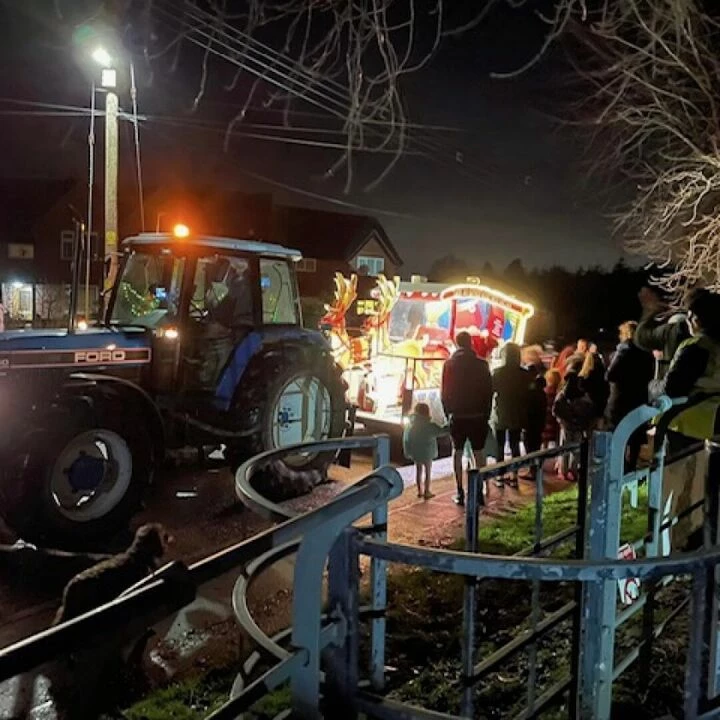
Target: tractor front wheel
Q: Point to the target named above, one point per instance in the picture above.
(84, 483)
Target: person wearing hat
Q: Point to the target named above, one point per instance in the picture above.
(659, 331)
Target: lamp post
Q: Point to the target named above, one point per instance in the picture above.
(109, 84)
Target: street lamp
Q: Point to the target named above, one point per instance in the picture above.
(102, 57)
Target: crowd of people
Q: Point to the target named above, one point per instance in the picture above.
(528, 404)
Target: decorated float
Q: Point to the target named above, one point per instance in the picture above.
(392, 344)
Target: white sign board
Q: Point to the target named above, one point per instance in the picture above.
(629, 589)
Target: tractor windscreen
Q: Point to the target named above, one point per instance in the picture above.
(149, 290)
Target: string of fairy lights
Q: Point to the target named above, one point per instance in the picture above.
(139, 304)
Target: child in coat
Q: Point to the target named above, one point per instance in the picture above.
(420, 446)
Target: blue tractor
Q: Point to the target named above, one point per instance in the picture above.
(202, 345)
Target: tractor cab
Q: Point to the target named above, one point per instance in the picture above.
(201, 297)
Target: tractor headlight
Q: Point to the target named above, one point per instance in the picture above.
(169, 333)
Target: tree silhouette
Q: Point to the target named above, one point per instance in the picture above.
(515, 272)
(449, 269)
(488, 271)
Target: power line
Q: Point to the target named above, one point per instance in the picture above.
(269, 138)
(138, 163)
(271, 55)
(257, 65)
(319, 196)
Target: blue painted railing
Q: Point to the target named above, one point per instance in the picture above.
(320, 656)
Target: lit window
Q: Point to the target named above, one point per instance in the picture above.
(372, 266)
(307, 265)
(67, 244)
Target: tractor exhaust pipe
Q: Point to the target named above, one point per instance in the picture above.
(79, 229)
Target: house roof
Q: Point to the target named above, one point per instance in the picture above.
(332, 236)
(206, 209)
(24, 201)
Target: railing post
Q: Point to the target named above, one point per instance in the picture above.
(470, 595)
(308, 594)
(600, 597)
(535, 598)
(696, 667)
(342, 659)
(580, 545)
(378, 578)
(711, 537)
(652, 548)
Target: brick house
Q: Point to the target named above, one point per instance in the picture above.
(37, 236)
(334, 242)
(203, 209)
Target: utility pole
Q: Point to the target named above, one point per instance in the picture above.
(111, 180)
(109, 84)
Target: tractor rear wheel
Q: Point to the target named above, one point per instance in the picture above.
(83, 483)
(292, 400)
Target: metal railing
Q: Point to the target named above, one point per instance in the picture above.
(473, 673)
(174, 586)
(320, 654)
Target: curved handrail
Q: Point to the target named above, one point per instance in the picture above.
(240, 604)
(254, 500)
(542, 569)
(275, 554)
(636, 419)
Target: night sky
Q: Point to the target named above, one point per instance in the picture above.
(509, 182)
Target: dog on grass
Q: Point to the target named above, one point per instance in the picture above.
(108, 579)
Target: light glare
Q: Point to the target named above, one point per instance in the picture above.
(102, 57)
(181, 231)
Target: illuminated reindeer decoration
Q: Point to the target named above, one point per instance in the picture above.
(376, 326)
(340, 342)
(349, 351)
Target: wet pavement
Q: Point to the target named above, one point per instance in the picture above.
(199, 507)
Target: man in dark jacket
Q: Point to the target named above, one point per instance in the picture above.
(631, 371)
(657, 331)
(466, 397)
(537, 410)
(513, 387)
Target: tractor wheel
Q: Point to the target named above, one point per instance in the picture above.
(296, 399)
(83, 483)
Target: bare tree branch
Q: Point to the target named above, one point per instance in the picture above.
(653, 70)
(347, 58)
